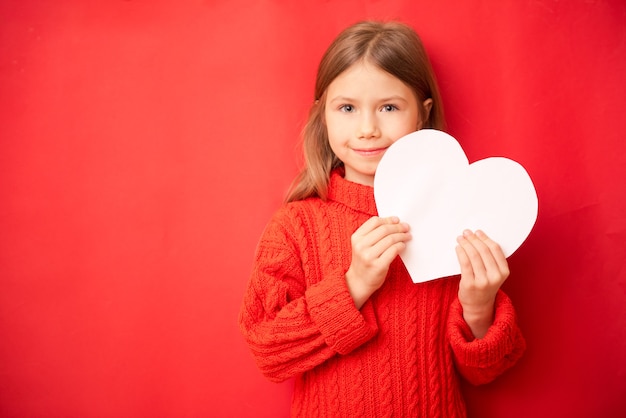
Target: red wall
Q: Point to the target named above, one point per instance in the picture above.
(144, 145)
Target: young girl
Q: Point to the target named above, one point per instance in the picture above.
(329, 301)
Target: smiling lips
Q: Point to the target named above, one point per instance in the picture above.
(371, 152)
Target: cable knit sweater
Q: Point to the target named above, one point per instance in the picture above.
(400, 355)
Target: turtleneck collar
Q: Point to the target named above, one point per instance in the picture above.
(356, 196)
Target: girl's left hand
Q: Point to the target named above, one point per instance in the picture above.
(483, 270)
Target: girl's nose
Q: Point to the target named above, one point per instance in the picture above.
(368, 128)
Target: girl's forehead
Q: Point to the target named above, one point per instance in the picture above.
(364, 76)
(364, 64)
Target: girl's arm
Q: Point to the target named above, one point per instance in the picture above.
(290, 326)
(483, 329)
(375, 244)
(481, 360)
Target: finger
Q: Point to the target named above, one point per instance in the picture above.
(393, 240)
(376, 237)
(464, 262)
(484, 250)
(474, 255)
(391, 252)
(494, 273)
(374, 222)
(496, 252)
(377, 230)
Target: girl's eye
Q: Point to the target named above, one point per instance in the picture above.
(388, 108)
(347, 108)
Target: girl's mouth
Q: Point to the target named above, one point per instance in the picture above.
(370, 152)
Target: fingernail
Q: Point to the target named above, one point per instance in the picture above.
(467, 233)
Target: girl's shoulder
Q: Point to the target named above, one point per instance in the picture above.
(299, 210)
(294, 221)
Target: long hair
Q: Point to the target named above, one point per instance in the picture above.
(393, 47)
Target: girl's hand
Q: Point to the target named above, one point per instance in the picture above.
(374, 246)
(483, 270)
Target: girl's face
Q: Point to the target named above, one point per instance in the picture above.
(367, 110)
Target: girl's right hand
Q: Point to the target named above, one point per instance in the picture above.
(374, 246)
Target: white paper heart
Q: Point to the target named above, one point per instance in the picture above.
(425, 179)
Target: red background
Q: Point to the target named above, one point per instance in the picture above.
(145, 144)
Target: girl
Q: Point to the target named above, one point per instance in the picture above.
(329, 301)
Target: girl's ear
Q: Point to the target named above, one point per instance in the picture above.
(427, 105)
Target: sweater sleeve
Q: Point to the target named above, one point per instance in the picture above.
(291, 327)
(481, 360)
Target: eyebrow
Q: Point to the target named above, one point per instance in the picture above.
(351, 100)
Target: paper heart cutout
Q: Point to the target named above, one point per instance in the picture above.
(426, 180)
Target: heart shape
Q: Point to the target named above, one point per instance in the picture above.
(426, 180)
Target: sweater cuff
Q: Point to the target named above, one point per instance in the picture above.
(499, 341)
(342, 325)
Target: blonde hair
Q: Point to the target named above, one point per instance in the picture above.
(392, 46)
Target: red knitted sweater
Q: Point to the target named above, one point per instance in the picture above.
(400, 355)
